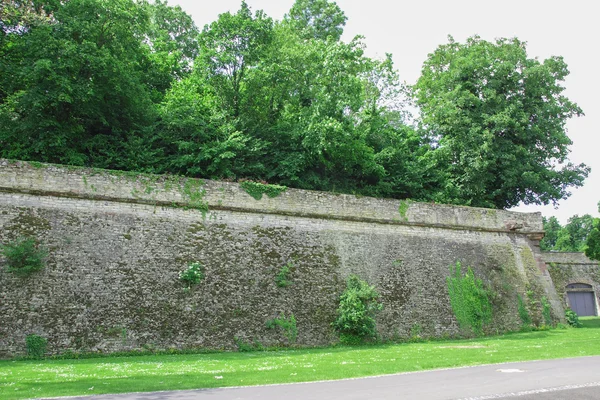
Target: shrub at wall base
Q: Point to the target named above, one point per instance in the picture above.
(359, 304)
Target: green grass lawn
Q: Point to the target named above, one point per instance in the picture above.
(50, 378)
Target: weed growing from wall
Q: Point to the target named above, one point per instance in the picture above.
(257, 189)
(403, 208)
(36, 346)
(282, 279)
(244, 346)
(288, 325)
(194, 194)
(193, 274)
(546, 313)
(24, 256)
(359, 304)
(523, 312)
(469, 299)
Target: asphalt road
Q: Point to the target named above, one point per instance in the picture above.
(570, 379)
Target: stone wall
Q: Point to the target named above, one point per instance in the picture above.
(569, 268)
(117, 242)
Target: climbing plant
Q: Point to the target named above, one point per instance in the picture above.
(523, 312)
(469, 298)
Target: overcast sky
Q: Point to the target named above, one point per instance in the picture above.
(412, 29)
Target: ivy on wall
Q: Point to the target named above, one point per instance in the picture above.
(469, 298)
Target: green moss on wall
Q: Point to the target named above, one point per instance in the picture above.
(403, 207)
(257, 189)
(27, 224)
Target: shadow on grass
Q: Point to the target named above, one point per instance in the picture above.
(144, 388)
(590, 322)
(524, 336)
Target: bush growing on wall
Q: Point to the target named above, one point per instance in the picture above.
(282, 279)
(24, 256)
(469, 299)
(193, 274)
(36, 345)
(359, 304)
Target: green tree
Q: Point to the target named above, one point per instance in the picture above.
(353, 142)
(229, 48)
(77, 94)
(317, 19)
(592, 249)
(552, 228)
(198, 136)
(572, 237)
(497, 119)
(172, 39)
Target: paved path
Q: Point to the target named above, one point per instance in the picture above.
(569, 379)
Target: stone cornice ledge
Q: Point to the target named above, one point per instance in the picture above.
(173, 191)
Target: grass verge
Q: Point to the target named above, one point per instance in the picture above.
(52, 378)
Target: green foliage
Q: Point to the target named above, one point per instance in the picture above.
(546, 311)
(132, 85)
(24, 256)
(317, 19)
(193, 192)
(415, 333)
(287, 324)
(36, 345)
(244, 347)
(282, 279)
(592, 244)
(193, 274)
(469, 299)
(551, 228)
(498, 119)
(403, 208)
(572, 318)
(573, 237)
(523, 312)
(77, 93)
(257, 189)
(359, 304)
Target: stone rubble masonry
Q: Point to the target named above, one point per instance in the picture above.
(117, 242)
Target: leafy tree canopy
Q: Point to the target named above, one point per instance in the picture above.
(592, 249)
(317, 19)
(497, 119)
(572, 237)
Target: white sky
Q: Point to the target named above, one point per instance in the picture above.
(412, 29)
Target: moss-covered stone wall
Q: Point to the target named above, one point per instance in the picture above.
(118, 241)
